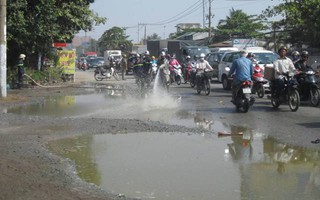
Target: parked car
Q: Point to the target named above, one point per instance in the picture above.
(263, 57)
(96, 62)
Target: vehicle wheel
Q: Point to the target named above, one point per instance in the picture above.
(198, 88)
(226, 84)
(178, 79)
(275, 102)
(314, 96)
(192, 83)
(207, 87)
(294, 100)
(260, 91)
(116, 76)
(98, 77)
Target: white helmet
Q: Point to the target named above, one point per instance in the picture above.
(147, 53)
(22, 56)
(202, 55)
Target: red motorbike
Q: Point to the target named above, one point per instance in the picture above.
(259, 82)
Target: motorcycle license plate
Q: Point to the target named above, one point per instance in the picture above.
(246, 90)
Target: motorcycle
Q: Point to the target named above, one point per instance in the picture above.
(259, 82)
(243, 99)
(176, 74)
(288, 94)
(105, 73)
(193, 72)
(154, 71)
(203, 82)
(308, 87)
(83, 66)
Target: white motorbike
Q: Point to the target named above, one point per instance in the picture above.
(176, 75)
(101, 73)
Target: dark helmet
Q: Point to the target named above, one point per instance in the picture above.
(251, 55)
(195, 57)
(168, 56)
(304, 54)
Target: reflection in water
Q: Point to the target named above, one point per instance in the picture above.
(182, 166)
(201, 122)
(78, 149)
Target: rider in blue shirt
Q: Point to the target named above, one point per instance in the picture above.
(243, 69)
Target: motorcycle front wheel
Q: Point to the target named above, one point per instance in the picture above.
(178, 79)
(98, 76)
(116, 76)
(207, 86)
(314, 96)
(275, 102)
(294, 100)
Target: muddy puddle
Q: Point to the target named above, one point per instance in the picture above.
(195, 166)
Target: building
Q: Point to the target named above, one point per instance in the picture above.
(182, 26)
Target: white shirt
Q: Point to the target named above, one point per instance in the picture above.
(202, 65)
(283, 65)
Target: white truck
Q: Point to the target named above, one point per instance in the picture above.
(116, 54)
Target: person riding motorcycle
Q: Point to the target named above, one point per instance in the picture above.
(243, 69)
(295, 56)
(202, 67)
(161, 59)
(301, 65)
(282, 65)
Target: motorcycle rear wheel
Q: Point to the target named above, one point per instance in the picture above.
(98, 77)
(275, 102)
(314, 96)
(260, 91)
(294, 100)
(244, 106)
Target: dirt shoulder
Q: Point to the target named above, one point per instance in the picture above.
(28, 170)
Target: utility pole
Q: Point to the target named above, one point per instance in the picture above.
(3, 48)
(210, 17)
(204, 15)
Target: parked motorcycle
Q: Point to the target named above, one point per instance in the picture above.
(176, 75)
(308, 87)
(288, 94)
(101, 73)
(259, 82)
(203, 82)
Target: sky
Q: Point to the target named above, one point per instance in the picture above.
(166, 14)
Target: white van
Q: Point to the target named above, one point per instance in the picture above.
(264, 59)
(116, 54)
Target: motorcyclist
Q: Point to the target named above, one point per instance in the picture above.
(161, 59)
(282, 66)
(185, 68)
(251, 56)
(242, 67)
(138, 67)
(202, 66)
(301, 64)
(295, 56)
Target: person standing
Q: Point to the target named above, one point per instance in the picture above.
(243, 69)
(124, 65)
(20, 72)
(282, 66)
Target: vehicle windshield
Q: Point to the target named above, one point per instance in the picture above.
(265, 58)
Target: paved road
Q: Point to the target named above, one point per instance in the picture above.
(299, 127)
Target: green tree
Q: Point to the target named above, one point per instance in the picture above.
(154, 36)
(239, 24)
(301, 21)
(33, 25)
(114, 38)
